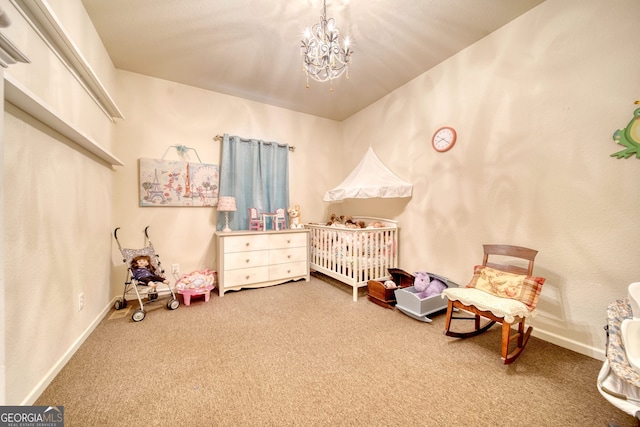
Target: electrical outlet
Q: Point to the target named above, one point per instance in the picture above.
(80, 301)
(175, 268)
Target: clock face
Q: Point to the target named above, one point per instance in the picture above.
(443, 139)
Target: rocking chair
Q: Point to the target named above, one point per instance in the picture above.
(499, 292)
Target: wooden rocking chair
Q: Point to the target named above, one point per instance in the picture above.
(494, 306)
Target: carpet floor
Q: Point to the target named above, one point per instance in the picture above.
(305, 354)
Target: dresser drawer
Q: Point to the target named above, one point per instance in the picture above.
(236, 260)
(281, 256)
(287, 240)
(284, 271)
(246, 243)
(245, 276)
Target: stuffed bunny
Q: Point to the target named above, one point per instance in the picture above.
(427, 287)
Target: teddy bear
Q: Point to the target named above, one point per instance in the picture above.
(425, 286)
(331, 221)
(350, 223)
(294, 217)
(336, 221)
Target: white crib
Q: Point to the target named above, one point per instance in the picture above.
(354, 255)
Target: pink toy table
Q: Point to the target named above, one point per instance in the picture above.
(188, 293)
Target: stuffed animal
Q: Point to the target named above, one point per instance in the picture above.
(336, 221)
(427, 287)
(294, 217)
(376, 224)
(350, 223)
(332, 220)
(390, 284)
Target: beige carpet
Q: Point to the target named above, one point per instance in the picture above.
(305, 354)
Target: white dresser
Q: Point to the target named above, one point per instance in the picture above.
(253, 259)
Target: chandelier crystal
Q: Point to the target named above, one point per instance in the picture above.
(326, 55)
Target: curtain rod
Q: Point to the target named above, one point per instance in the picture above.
(219, 138)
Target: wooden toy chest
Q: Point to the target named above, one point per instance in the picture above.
(384, 297)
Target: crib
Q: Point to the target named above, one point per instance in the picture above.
(354, 256)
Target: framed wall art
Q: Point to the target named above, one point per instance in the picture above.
(178, 183)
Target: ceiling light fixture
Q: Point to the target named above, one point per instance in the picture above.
(326, 55)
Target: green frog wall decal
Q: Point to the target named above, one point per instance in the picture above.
(629, 137)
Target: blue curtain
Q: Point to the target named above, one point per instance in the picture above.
(256, 173)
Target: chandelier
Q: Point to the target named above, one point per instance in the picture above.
(326, 55)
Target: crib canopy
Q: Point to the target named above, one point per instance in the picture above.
(370, 178)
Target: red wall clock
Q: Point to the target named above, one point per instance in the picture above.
(444, 139)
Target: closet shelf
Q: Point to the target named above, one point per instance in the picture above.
(18, 95)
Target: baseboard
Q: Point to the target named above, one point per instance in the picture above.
(57, 367)
(596, 353)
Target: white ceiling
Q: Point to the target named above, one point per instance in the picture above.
(251, 48)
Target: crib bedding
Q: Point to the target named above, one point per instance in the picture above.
(355, 255)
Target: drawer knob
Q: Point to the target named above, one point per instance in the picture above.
(247, 244)
(289, 256)
(247, 260)
(288, 241)
(247, 277)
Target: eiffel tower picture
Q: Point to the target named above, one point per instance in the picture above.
(155, 192)
(177, 183)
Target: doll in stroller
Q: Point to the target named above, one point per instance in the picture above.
(143, 271)
(145, 278)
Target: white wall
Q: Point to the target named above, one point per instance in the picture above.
(161, 114)
(535, 105)
(57, 209)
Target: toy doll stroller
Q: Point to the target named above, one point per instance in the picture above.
(136, 289)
